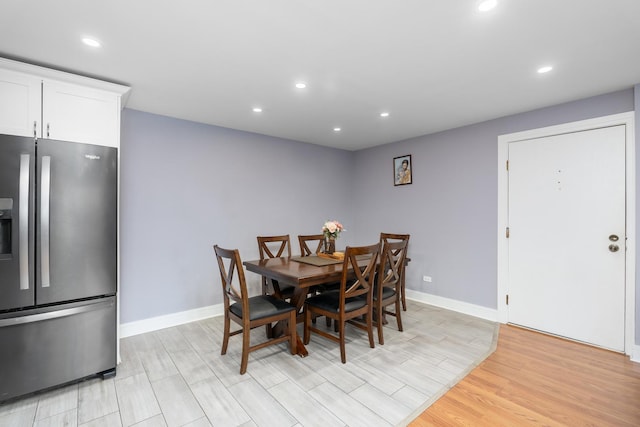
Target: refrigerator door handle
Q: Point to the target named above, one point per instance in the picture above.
(23, 220)
(45, 192)
(56, 314)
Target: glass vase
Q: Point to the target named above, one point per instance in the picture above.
(329, 245)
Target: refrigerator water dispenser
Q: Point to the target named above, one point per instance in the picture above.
(6, 206)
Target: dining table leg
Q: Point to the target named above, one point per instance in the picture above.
(297, 300)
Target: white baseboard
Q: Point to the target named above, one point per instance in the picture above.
(174, 319)
(454, 305)
(169, 320)
(635, 354)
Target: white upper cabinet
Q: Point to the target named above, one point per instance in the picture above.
(20, 104)
(37, 101)
(75, 113)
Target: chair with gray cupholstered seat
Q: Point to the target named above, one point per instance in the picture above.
(306, 250)
(387, 288)
(275, 247)
(353, 299)
(384, 237)
(250, 312)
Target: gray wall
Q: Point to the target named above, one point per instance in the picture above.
(450, 210)
(186, 186)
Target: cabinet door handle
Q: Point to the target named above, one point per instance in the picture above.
(47, 130)
(35, 127)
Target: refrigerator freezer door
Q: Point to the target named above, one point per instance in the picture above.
(46, 347)
(77, 221)
(17, 166)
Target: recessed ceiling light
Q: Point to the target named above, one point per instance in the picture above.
(545, 69)
(257, 110)
(91, 42)
(385, 114)
(487, 5)
(337, 129)
(301, 85)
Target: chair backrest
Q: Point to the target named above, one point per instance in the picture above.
(391, 265)
(234, 285)
(364, 278)
(384, 237)
(391, 237)
(304, 240)
(274, 246)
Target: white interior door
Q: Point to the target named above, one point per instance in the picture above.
(566, 207)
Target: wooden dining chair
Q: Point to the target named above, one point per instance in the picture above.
(250, 312)
(306, 249)
(354, 299)
(388, 284)
(275, 247)
(384, 237)
(305, 239)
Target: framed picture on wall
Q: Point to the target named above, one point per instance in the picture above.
(402, 170)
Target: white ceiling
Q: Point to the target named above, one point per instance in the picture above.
(432, 64)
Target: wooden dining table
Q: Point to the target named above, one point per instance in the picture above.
(302, 273)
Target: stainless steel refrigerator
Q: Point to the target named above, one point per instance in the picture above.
(58, 263)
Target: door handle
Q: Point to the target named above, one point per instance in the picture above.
(23, 220)
(45, 192)
(614, 248)
(56, 314)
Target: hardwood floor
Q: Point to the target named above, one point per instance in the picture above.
(535, 379)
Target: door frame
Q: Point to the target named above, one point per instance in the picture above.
(626, 119)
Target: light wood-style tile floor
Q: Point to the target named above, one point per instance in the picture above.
(177, 377)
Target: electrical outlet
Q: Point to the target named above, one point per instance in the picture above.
(426, 279)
